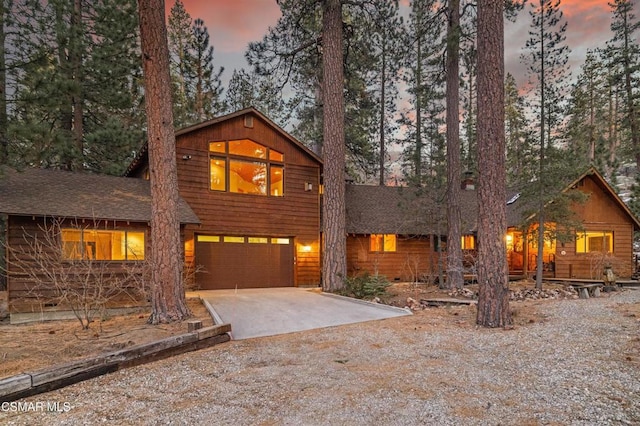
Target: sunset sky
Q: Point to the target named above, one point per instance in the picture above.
(232, 24)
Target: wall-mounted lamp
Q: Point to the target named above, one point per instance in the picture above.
(306, 249)
(308, 186)
(186, 157)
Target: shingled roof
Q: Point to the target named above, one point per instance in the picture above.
(403, 210)
(57, 193)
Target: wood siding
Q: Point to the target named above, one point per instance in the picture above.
(295, 215)
(601, 212)
(413, 258)
(25, 295)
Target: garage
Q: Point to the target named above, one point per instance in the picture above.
(228, 262)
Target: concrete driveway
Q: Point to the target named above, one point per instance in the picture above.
(271, 311)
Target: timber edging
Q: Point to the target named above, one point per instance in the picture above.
(59, 376)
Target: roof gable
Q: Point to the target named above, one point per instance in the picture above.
(142, 157)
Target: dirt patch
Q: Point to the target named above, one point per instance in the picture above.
(29, 347)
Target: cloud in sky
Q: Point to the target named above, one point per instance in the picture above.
(232, 24)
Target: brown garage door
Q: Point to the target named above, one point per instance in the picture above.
(244, 262)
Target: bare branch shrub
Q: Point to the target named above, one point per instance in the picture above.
(599, 260)
(83, 285)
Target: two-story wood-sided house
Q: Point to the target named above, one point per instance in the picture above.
(256, 190)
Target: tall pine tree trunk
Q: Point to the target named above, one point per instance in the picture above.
(541, 166)
(4, 144)
(493, 279)
(335, 251)
(454, 249)
(383, 101)
(75, 63)
(168, 299)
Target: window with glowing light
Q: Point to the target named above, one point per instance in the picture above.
(246, 167)
(382, 242)
(594, 241)
(468, 242)
(92, 244)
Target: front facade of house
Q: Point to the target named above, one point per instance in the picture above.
(606, 237)
(73, 235)
(256, 191)
(400, 232)
(250, 213)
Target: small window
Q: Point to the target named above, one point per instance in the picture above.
(229, 239)
(258, 240)
(220, 147)
(382, 242)
(218, 170)
(276, 156)
(247, 148)
(111, 245)
(594, 241)
(468, 242)
(280, 241)
(208, 239)
(276, 184)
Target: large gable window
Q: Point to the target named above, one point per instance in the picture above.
(102, 245)
(246, 167)
(382, 242)
(594, 241)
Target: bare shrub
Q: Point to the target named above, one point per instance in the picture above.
(599, 260)
(83, 285)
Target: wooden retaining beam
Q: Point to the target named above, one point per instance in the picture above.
(59, 376)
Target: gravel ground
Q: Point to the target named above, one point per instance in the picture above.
(577, 364)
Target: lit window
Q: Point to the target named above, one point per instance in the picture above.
(218, 174)
(276, 175)
(228, 239)
(382, 242)
(208, 239)
(247, 177)
(468, 242)
(594, 241)
(102, 245)
(280, 241)
(234, 168)
(258, 240)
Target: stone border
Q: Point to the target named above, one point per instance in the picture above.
(59, 376)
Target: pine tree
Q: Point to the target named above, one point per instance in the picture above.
(519, 139)
(205, 80)
(180, 40)
(493, 294)
(5, 6)
(423, 155)
(168, 299)
(386, 43)
(248, 89)
(546, 59)
(197, 85)
(587, 126)
(626, 54)
(74, 83)
(291, 53)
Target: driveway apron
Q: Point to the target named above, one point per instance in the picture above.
(271, 311)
